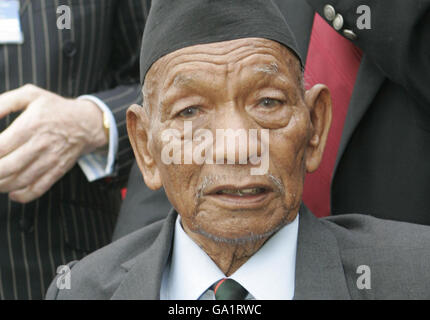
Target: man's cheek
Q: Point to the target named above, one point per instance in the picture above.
(180, 179)
(288, 144)
(287, 162)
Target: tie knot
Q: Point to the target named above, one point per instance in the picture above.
(228, 289)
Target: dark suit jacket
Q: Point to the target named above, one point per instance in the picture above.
(329, 252)
(99, 55)
(383, 163)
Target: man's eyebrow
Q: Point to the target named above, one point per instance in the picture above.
(175, 82)
(270, 68)
(182, 80)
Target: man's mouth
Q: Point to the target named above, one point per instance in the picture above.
(241, 192)
(244, 197)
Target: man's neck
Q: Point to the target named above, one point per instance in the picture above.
(227, 256)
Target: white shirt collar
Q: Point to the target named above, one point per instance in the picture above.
(268, 275)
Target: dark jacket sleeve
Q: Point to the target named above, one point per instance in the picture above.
(398, 41)
(127, 35)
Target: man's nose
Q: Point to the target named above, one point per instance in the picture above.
(235, 137)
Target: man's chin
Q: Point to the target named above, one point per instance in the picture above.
(236, 224)
(239, 239)
(238, 227)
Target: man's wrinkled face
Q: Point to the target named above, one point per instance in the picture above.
(241, 84)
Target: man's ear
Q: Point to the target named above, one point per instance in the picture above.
(137, 127)
(318, 100)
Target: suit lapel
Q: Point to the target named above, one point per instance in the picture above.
(319, 269)
(143, 280)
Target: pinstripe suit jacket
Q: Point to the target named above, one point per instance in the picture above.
(99, 55)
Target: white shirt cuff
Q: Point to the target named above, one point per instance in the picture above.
(99, 164)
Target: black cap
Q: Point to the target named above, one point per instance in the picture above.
(176, 24)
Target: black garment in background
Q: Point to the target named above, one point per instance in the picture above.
(383, 164)
(141, 207)
(99, 55)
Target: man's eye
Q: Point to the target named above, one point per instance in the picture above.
(189, 112)
(269, 102)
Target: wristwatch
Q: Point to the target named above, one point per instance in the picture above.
(106, 124)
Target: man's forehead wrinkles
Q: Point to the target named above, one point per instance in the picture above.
(225, 48)
(217, 54)
(269, 64)
(190, 66)
(181, 80)
(187, 73)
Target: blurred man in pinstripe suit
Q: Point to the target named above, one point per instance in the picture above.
(64, 134)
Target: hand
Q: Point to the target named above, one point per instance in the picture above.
(45, 141)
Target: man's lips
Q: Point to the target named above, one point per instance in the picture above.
(238, 190)
(250, 196)
(244, 192)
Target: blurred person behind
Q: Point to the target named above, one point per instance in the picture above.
(64, 152)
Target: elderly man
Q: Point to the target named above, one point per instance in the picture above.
(233, 65)
(379, 138)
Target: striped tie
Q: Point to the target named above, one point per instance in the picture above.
(228, 289)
